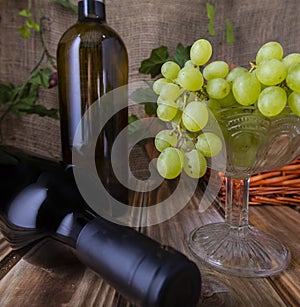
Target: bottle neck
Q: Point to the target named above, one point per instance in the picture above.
(91, 10)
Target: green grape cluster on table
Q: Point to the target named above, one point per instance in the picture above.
(188, 96)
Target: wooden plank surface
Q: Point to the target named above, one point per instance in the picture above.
(50, 274)
(223, 290)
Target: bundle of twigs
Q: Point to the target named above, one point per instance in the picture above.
(277, 187)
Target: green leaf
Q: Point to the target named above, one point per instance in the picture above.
(144, 95)
(25, 13)
(41, 77)
(6, 91)
(25, 32)
(42, 111)
(7, 159)
(67, 4)
(153, 64)
(147, 97)
(181, 54)
(25, 97)
(30, 95)
(150, 108)
(211, 12)
(22, 107)
(134, 126)
(31, 24)
(132, 118)
(229, 32)
(211, 29)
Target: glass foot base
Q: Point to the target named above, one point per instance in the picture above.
(245, 251)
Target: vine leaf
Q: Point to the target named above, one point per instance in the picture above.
(31, 24)
(25, 13)
(181, 54)
(147, 97)
(42, 111)
(153, 64)
(229, 32)
(41, 77)
(24, 31)
(6, 92)
(67, 4)
(211, 12)
(21, 100)
(7, 159)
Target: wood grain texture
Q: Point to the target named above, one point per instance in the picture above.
(50, 274)
(223, 290)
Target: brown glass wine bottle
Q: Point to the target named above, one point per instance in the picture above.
(92, 61)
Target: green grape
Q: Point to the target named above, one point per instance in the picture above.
(170, 91)
(192, 96)
(217, 88)
(271, 72)
(166, 102)
(293, 78)
(291, 59)
(244, 146)
(169, 163)
(234, 73)
(201, 52)
(170, 70)
(187, 144)
(209, 144)
(181, 156)
(214, 106)
(165, 138)
(246, 89)
(216, 69)
(167, 111)
(294, 103)
(189, 64)
(270, 50)
(272, 101)
(190, 79)
(158, 84)
(227, 101)
(195, 164)
(160, 100)
(195, 116)
(176, 120)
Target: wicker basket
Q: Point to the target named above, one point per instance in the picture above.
(277, 187)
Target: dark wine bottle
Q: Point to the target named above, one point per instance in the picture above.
(92, 61)
(39, 198)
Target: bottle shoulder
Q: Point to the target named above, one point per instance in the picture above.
(89, 30)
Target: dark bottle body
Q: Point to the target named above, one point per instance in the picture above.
(39, 198)
(92, 61)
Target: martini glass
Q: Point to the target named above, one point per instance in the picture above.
(253, 143)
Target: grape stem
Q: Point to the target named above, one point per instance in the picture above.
(253, 66)
(178, 128)
(45, 52)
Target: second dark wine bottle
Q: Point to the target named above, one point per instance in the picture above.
(92, 61)
(39, 198)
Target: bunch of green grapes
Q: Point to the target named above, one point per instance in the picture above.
(188, 95)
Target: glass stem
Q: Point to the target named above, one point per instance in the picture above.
(237, 202)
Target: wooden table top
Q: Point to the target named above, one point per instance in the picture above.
(49, 274)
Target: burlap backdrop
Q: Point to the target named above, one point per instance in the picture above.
(143, 25)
